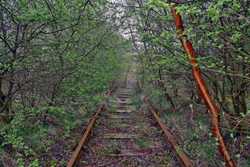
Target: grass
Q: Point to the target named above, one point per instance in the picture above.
(143, 143)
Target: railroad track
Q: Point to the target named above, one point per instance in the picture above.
(119, 135)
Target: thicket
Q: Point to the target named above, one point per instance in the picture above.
(58, 57)
(57, 60)
(219, 31)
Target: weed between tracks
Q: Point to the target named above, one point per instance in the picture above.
(129, 137)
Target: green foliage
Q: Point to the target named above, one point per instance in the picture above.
(157, 3)
(71, 56)
(34, 163)
(219, 32)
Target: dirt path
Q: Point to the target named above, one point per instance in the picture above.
(126, 137)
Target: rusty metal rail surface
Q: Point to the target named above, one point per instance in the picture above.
(182, 156)
(76, 154)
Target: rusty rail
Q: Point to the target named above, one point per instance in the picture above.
(76, 154)
(202, 87)
(182, 156)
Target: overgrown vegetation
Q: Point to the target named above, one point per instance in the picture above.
(219, 31)
(57, 60)
(58, 57)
